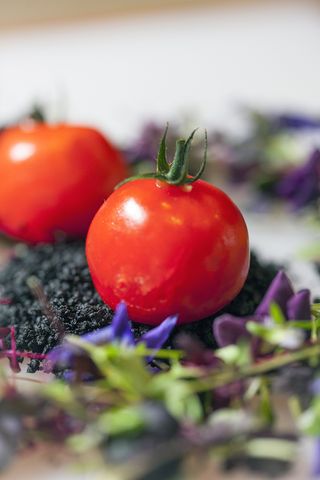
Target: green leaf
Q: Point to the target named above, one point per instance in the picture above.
(304, 324)
(181, 403)
(60, 392)
(277, 314)
(272, 448)
(87, 440)
(315, 310)
(265, 406)
(228, 354)
(270, 334)
(309, 421)
(256, 328)
(127, 373)
(238, 355)
(119, 421)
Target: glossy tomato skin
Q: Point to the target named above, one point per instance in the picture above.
(165, 249)
(53, 179)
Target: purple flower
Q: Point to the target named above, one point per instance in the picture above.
(296, 121)
(301, 186)
(228, 329)
(119, 331)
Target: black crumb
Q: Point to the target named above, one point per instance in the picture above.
(64, 276)
(63, 273)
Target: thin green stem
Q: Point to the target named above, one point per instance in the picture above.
(219, 380)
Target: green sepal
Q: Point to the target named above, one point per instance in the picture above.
(138, 177)
(179, 168)
(203, 164)
(163, 166)
(177, 172)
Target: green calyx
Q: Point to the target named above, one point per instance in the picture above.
(176, 172)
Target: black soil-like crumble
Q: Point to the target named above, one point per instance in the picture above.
(74, 305)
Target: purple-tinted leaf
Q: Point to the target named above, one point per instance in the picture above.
(121, 326)
(228, 329)
(222, 396)
(279, 292)
(155, 338)
(298, 306)
(195, 352)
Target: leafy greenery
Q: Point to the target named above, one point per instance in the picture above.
(129, 407)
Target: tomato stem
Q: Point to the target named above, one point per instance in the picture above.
(176, 172)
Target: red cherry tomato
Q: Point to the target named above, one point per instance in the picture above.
(167, 249)
(53, 178)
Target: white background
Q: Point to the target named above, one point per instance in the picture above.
(205, 62)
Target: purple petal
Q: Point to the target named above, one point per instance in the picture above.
(316, 458)
(155, 338)
(295, 121)
(99, 337)
(60, 355)
(70, 376)
(315, 386)
(121, 325)
(298, 306)
(278, 292)
(228, 329)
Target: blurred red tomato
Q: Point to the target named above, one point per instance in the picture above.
(53, 179)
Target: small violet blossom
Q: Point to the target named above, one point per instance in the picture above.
(301, 186)
(228, 329)
(119, 331)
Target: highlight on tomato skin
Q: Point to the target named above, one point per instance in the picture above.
(168, 246)
(53, 179)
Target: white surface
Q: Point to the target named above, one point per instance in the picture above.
(282, 238)
(117, 73)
